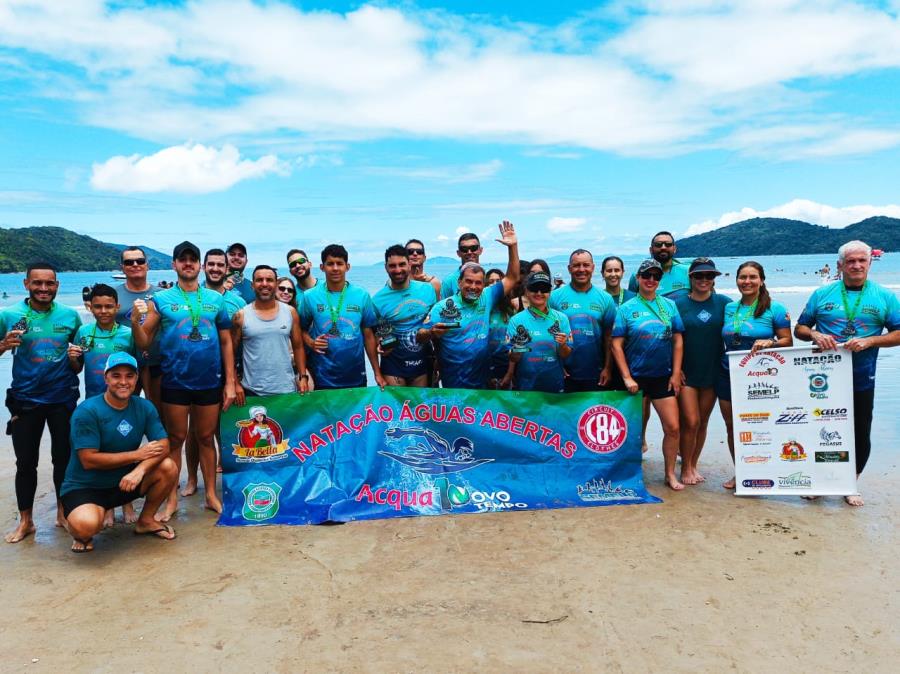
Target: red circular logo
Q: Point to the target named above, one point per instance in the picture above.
(259, 432)
(602, 429)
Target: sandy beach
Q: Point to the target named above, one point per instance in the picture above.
(702, 582)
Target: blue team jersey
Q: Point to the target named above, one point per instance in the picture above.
(541, 368)
(405, 311)
(878, 310)
(648, 343)
(464, 354)
(97, 425)
(193, 364)
(343, 363)
(751, 328)
(497, 343)
(97, 345)
(244, 290)
(672, 281)
(702, 337)
(41, 373)
(233, 301)
(591, 315)
(623, 296)
(450, 284)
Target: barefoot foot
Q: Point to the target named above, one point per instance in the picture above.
(82, 546)
(673, 483)
(170, 509)
(214, 504)
(109, 518)
(854, 500)
(689, 477)
(23, 530)
(729, 484)
(128, 514)
(190, 488)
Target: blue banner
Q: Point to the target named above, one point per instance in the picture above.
(339, 456)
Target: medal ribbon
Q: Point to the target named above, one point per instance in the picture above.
(31, 313)
(194, 311)
(852, 314)
(538, 313)
(112, 333)
(738, 317)
(336, 313)
(660, 313)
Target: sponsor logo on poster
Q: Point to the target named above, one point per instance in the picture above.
(792, 451)
(830, 414)
(456, 496)
(839, 456)
(798, 480)
(763, 361)
(260, 501)
(818, 385)
(755, 438)
(396, 498)
(818, 359)
(829, 438)
(756, 458)
(602, 429)
(762, 391)
(599, 490)
(757, 483)
(754, 417)
(260, 438)
(791, 416)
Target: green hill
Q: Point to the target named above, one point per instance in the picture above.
(779, 236)
(64, 249)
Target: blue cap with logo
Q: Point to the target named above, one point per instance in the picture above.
(120, 358)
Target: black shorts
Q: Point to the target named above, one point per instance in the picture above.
(155, 371)
(655, 388)
(184, 396)
(580, 385)
(107, 498)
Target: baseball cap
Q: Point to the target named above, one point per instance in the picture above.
(648, 265)
(537, 280)
(235, 246)
(185, 247)
(120, 358)
(704, 264)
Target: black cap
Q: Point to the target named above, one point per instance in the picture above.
(538, 280)
(704, 264)
(185, 247)
(236, 245)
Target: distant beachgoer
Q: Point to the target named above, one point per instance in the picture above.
(702, 311)
(853, 314)
(416, 251)
(558, 281)
(300, 268)
(752, 323)
(44, 389)
(675, 273)
(86, 297)
(648, 347)
(109, 466)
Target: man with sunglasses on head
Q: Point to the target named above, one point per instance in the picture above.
(415, 250)
(402, 306)
(195, 345)
(136, 287)
(675, 274)
(237, 263)
(469, 250)
(301, 269)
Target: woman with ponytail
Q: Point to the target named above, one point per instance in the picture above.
(752, 323)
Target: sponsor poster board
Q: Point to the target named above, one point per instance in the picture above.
(366, 454)
(792, 412)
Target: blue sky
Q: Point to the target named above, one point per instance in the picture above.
(587, 124)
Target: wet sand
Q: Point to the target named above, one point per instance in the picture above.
(703, 582)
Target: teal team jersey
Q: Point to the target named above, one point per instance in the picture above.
(123, 317)
(40, 371)
(450, 284)
(648, 342)
(98, 345)
(540, 368)
(702, 337)
(343, 363)
(97, 425)
(192, 364)
(874, 309)
(750, 328)
(405, 311)
(672, 281)
(464, 352)
(497, 343)
(244, 290)
(622, 296)
(233, 301)
(591, 315)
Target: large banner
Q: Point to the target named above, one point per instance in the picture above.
(792, 411)
(364, 454)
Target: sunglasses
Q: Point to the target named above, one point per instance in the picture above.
(543, 290)
(469, 249)
(648, 275)
(663, 244)
(415, 251)
(134, 262)
(297, 262)
(285, 289)
(704, 276)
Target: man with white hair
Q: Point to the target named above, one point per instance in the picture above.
(853, 314)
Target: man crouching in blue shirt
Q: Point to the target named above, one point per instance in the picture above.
(109, 465)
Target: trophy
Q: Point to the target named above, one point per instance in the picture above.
(519, 341)
(385, 333)
(554, 329)
(450, 315)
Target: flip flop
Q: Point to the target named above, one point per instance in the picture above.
(88, 546)
(156, 533)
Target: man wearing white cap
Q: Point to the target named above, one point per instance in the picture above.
(110, 466)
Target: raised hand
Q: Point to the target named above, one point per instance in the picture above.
(508, 234)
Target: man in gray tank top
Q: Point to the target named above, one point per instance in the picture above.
(273, 342)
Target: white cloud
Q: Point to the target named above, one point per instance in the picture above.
(558, 225)
(183, 168)
(467, 173)
(459, 231)
(443, 238)
(810, 141)
(678, 75)
(799, 209)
